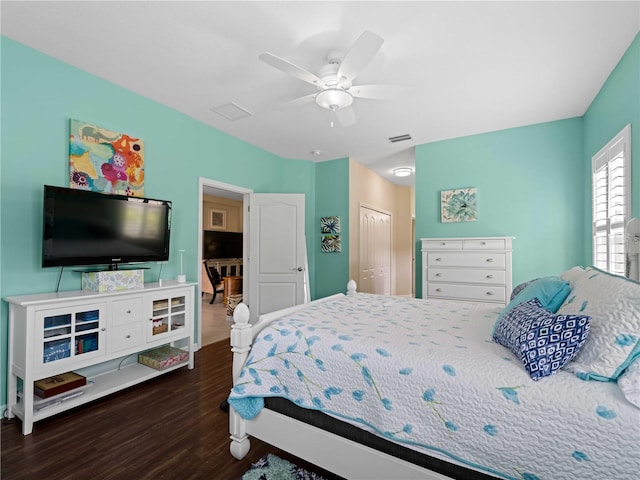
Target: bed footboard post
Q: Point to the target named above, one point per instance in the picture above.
(241, 339)
(351, 288)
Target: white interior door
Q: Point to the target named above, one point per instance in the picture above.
(277, 252)
(375, 251)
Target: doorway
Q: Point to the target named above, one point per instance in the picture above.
(212, 324)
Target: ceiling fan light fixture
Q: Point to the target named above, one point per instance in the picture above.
(334, 99)
(402, 171)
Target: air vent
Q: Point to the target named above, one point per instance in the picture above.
(232, 111)
(400, 138)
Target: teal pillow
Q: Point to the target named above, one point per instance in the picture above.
(551, 292)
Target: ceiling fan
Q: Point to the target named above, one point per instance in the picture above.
(336, 91)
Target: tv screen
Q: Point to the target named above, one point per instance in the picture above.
(81, 227)
(221, 244)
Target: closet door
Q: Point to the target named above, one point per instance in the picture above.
(375, 251)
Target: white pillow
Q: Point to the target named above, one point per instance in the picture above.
(613, 303)
(629, 383)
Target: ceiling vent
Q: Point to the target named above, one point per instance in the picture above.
(232, 111)
(400, 138)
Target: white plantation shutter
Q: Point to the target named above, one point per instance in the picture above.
(611, 169)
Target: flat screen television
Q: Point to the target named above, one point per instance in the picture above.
(82, 227)
(221, 244)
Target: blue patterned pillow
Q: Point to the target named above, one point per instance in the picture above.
(543, 341)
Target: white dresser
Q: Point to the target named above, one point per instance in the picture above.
(475, 269)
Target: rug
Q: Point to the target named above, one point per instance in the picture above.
(271, 467)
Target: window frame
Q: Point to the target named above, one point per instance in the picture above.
(602, 163)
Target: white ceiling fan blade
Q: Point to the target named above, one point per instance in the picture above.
(291, 69)
(359, 56)
(346, 116)
(379, 92)
(297, 102)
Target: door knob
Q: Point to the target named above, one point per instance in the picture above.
(300, 269)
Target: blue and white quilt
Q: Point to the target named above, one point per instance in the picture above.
(426, 374)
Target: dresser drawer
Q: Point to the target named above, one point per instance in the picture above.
(489, 277)
(489, 260)
(487, 293)
(126, 336)
(483, 244)
(127, 311)
(442, 245)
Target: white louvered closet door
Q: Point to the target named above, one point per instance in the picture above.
(611, 202)
(375, 252)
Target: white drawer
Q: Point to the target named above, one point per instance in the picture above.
(127, 311)
(442, 245)
(467, 292)
(490, 277)
(484, 244)
(489, 260)
(126, 336)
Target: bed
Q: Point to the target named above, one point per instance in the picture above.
(369, 386)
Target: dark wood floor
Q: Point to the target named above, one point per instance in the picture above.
(170, 427)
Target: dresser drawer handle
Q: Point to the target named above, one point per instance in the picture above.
(128, 311)
(490, 293)
(483, 243)
(443, 243)
(439, 259)
(438, 289)
(128, 336)
(489, 276)
(438, 274)
(489, 260)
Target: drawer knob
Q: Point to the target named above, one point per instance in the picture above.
(438, 289)
(483, 243)
(128, 336)
(489, 260)
(490, 293)
(443, 243)
(438, 274)
(489, 276)
(128, 311)
(438, 259)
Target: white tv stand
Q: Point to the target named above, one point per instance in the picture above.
(98, 335)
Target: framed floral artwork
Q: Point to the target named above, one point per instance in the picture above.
(331, 244)
(105, 161)
(330, 225)
(458, 205)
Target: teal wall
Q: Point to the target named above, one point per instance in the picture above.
(332, 196)
(616, 105)
(527, 189)
(40, 94)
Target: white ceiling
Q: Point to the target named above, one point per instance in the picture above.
(473, 67)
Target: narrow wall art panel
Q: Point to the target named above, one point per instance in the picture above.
(330, 225)
(105, 161)
(458, 205)
(331, 244)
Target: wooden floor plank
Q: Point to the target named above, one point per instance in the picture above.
(167, 428)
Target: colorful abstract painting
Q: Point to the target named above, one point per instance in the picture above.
(331, 243)
(330, 225)
(458, 205)
(105, 161)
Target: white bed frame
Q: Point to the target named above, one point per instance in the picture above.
(343, 457)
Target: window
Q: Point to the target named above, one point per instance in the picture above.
(611, 187)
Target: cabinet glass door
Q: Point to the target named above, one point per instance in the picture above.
(168, 315)
(71, 333)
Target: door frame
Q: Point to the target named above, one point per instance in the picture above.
(237, 192)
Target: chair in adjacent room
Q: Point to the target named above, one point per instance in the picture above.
(214, 279)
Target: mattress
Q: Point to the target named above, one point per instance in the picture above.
(426, 375)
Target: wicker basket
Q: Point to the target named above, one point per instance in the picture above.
(160, 329)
